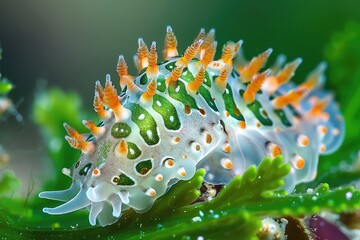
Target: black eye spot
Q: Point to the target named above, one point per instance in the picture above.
(115, 180)
(85, 169)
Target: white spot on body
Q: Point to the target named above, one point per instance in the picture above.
(303, 140)
(171, 118)
(159, 177)
(142, 116)
(182, 172)
(169, 163)
(158, 103)
(150, 192)
(177, 89)
(348, 195)
(226, 163)
(149, 134)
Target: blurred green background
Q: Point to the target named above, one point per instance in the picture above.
(70, 44)
(73, 43)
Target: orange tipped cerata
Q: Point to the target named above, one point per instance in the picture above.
(150, 91)
(194, 86)
(254, 66)
(141, 59)
(170, 46)
(152, 70)
(254, 86)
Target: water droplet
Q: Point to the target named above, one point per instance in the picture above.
(201, 213)
(159, 226)
(348, 195)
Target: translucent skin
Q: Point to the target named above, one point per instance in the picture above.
(167, 138)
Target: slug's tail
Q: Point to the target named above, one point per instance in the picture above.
(320, 106)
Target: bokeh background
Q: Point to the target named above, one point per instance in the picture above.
(70, 44)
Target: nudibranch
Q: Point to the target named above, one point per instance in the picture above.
(191, 111)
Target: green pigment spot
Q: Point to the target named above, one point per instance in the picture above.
(146, 124)
(123, 180)
(178, 92)
(143, 79)
(144, 167)
(170, 66)
(230, 105)
(85, 169)
(188, 77)
(120, 130)
(207, 80)
(167, 112)
(160, 81)
(133, 151)
(208, 98)
(256, 109)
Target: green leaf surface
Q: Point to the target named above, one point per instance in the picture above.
(237, 210)
(252, 185)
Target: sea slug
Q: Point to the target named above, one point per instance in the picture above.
(191, 111)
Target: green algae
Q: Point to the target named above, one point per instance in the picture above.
(233, 211)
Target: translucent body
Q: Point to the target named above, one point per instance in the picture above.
(136, 156)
